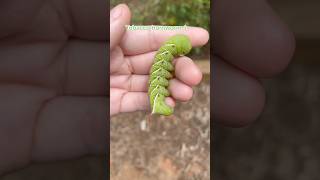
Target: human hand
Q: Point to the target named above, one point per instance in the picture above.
(53, 85)
(131, 56)
(250, 42)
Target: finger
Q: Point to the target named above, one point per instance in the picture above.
(117, 61)
(15, 14)
(151, 40)
(44, 127)
(124, 101)
(180, 91)
(86, 68)
(55, 21)
(238, 98)
(187, 71)
(119, 18)
(70, 127)
(87, 19)
(76, 68)
(137, 64)
(251, 36)
(139, 83)
(19, 107)
(136, 83)
(170, 102)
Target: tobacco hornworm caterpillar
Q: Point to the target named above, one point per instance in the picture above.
(161, 70)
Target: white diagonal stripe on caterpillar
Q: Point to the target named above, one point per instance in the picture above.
(154, 103)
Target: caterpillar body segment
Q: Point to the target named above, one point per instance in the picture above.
(162, 71)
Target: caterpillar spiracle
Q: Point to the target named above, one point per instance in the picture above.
(162, 71)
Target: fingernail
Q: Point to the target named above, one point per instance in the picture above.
(116, 12)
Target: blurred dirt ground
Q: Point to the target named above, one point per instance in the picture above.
(169, 148)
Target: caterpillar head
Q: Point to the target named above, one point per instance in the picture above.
(182, 43)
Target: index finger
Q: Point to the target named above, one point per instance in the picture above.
(142, 41)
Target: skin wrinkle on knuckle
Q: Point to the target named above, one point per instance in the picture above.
(124, 39)
(115, 60)
(36, 122)
(65, 18)
(152, 40)
(23, 112)
(128, 65)
(121, 101)
(65, 73)
(130, 82)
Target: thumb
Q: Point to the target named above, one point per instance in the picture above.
(119, 17)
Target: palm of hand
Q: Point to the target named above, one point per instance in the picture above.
(131, 56)
(130, 74)
(52, 98)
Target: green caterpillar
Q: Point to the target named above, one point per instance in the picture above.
(161, 72)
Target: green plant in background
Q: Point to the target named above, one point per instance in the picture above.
(180, 12)
(168, 12)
